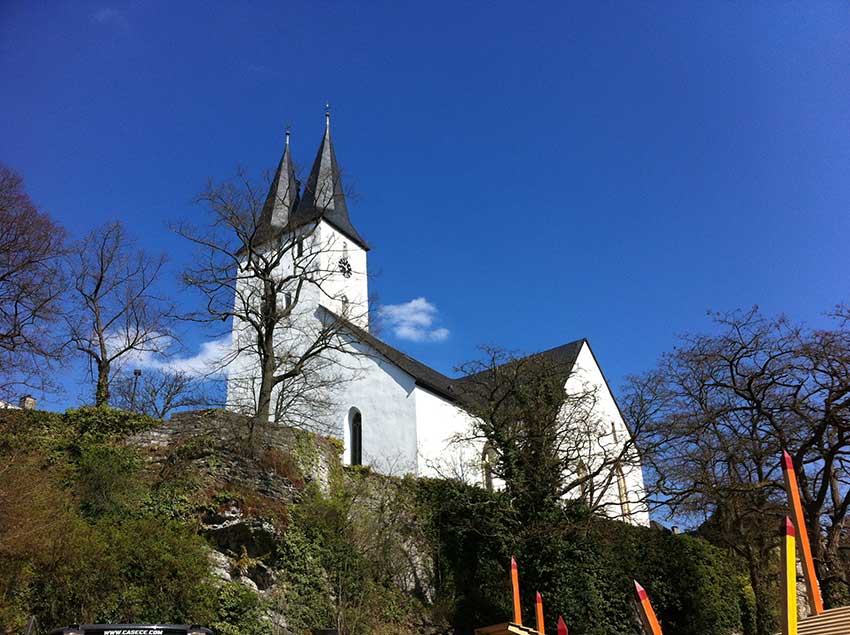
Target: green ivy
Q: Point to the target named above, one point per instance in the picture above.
(583, 566)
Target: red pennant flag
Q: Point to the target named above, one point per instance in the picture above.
(562, 627)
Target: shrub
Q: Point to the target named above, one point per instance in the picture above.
(239, 612)
(583, 566)
(108, 478)
(106, 422)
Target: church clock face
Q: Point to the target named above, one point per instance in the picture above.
(345, 267)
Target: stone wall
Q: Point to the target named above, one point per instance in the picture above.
(223, 434)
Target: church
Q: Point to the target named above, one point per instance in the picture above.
(391, 411)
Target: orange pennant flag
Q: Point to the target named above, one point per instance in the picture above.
(647, 613)
(562, 626)
(515, 585)
(793, 491)
(538, 613)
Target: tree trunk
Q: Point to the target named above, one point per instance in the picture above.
(264, 398)
(765, 600)
(831, 572)
(101, 395)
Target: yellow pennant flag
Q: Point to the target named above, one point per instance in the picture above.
(789, 580)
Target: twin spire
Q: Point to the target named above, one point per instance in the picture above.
(287, 207)
(283, 194)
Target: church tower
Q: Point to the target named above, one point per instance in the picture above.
(344, 289)
(320, 255)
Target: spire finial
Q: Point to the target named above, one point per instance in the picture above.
(287, 135)
(327, 115)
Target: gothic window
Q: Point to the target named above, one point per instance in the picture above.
(344, 300)
(299, 249)
(623, 492)
(355, 423)
(288, 299)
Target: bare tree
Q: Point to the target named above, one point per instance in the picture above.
(269, 279)
(711, 467)
(157, 393)
(114, 310)
(544, 441)
(31, 282)
(720, 409)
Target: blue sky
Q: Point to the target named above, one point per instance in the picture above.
(537, 174)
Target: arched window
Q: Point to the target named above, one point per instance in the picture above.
(355, 423)
(624, 492)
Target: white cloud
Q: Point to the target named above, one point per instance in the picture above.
(207, 362)
(413, 321)
(109, 16)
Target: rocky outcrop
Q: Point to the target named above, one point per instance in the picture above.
(269, 476)
(245, 496)
(283, 461)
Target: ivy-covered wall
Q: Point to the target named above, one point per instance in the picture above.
(106, 516)
(584, 568)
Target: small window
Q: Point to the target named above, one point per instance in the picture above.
(344, 300)
(299, 247)
(288, 299)
(356, 437)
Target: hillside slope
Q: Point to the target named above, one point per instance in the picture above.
(111, 517)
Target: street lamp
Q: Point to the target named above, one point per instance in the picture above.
(136, 374)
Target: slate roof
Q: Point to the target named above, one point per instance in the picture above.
(562, 357)
(447, 387)
(286, 207)
(323, 195)
(424, 376)
(281, 201)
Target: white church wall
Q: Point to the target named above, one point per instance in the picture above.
(587, 375)
(440, 452)
(384, 395)
(291, 334)
(240, 367)
(356, 287)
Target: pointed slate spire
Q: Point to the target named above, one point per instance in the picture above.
(282, 199)
(323, 195)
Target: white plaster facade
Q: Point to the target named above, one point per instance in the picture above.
(408, 423)
(622, 493)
